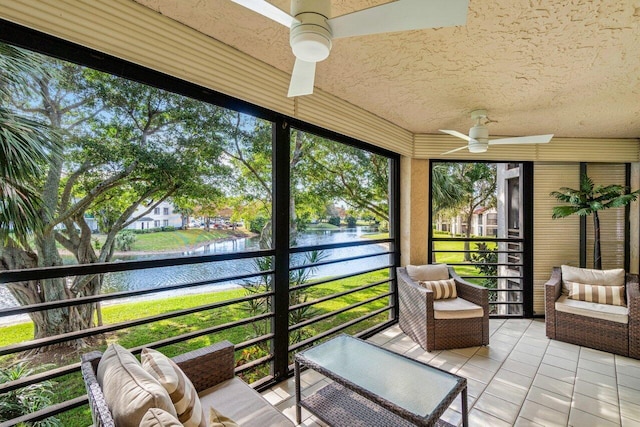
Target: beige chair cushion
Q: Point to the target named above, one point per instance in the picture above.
(442, 289)
(216, 419)
(182, 392)
(428, 272)
(456, 308)
(613, 295)
(612, 313)
(615, 277)
(156, 417)
(241, 403)
(128, 389)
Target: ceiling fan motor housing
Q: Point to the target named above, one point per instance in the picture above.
(479, 142)
(310, 39)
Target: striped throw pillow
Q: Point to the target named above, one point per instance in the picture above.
(442, 289)
(612, 295)
(182, 392)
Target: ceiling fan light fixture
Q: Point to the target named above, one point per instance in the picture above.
(310, 46)
(476, 146)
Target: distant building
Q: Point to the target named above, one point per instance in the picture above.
(484, 223)
(163, 215)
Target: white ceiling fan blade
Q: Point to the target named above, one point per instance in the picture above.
(302, 78)
(401, 15)
(532, 139)
(267, 9)
(456, 133)
(454, 150)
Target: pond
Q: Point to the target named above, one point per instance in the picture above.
(165, 276)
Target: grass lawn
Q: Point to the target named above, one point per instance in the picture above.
(322, 226)
(178, 239)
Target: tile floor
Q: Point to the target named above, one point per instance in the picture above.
(520, 379)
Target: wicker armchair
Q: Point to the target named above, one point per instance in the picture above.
(606, 335)
(418, 318)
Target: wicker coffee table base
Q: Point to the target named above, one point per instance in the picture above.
(338, 406)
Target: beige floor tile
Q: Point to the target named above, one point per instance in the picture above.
(273, 397)
(494, 352)
(530, 349)
(550, 399)
(565, 353)
(596, 378)
(560, 362)
(629, 382)
(557, 373)
(622, 360)
(628, 422)
(529, 359)
(452, 417)
(523, 422)
(475, 388)
(554, 385)
(310, 377)
(505, 340)
(628, 394)
(596, 407)
(578, 418)
(465, 352)
(630, 410)
(543, 415)
(479, 418)
(514, 379)
(484, 362)
(506, 391)
(628, 370)
(519, 367)
(476, 373)
(601, 368)
(596, 355)
(597, 391)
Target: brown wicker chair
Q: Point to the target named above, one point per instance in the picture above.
(605, 335)
(416, 316)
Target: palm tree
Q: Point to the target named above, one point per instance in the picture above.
(26, 147)
(590, 199)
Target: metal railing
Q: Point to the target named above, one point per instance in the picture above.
(498, 267)
(361, 307)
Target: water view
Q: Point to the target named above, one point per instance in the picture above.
(167, 276)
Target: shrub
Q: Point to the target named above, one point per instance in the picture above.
(351, 222)
(257, 224)
(27, 399)
(383, 226)
(125, 239)
(335, 220)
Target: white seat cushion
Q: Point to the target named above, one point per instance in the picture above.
(613, 313)
(456, 308)
(238, 401)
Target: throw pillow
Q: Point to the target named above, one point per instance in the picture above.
(216, 419)
(182, 392)
(614, 277)
(129, 390)
(156, 417)
(442, 289)
(612, 295)
(428, 272)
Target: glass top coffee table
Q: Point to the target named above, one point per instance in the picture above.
(373, 386)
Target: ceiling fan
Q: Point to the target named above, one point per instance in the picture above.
(312, 31)
(479, 136)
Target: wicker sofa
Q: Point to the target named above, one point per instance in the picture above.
(606, 327)
(211, 370)
(442, 329)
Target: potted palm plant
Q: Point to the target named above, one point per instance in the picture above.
(590, 199)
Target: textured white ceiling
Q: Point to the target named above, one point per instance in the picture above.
(571, 68)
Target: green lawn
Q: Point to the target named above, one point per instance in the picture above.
(178, 239)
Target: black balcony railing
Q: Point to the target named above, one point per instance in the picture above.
(491, 262)
(359, 302)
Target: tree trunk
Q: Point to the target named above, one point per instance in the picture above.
(597, 258)
(467, 233)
